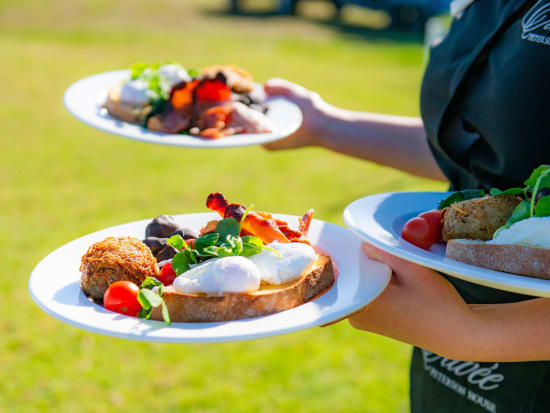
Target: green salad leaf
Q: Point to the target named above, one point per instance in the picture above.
(193, 72)
(149, 299)
(460, 196)
(542, 208)
(176, 241)
(509, 191)
(535, 175)
(226, 227)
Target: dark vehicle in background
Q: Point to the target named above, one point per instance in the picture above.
(405, 14)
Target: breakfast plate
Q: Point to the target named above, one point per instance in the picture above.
(55, 286)
(84, 99)
(378, 219)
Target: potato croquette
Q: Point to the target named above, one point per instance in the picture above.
(114, 259)
(478, 218)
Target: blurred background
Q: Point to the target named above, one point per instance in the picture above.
(60, 179)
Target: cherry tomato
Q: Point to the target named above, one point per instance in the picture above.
(121, 297)
(435, 219)
(419, 232)
(190, 242)
(167, 274)
(215, 90)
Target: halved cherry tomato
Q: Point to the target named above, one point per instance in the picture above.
(215, 90)
(167, 274)
(121, 297)
(435, 219)
(419, 232)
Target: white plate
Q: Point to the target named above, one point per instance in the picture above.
(84, 100)
(55, 286)
(378, 219)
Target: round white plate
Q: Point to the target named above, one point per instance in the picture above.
(378, 219)
(84, 100)
(55, 286)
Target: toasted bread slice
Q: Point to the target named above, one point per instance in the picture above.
(512, 258)
(268, 299)
(123, 111)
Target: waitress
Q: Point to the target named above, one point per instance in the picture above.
(485, 102)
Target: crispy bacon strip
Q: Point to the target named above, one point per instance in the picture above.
(254, 223)
(305, 221)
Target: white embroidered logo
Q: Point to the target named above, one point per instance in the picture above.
(485, 378)
(536, 23)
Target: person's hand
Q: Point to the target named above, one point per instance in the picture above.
(313, 110)
(418, 307)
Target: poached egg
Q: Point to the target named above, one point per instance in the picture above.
(294, 259)
(220, 275)
(239, 274)
(532, 232)
(135, 92)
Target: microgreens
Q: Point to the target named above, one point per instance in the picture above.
(149, 299)
(224, 242)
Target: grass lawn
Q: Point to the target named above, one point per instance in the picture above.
(60, 179)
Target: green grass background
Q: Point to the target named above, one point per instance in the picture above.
(60, 179)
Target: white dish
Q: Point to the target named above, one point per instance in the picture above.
(378, 219)
(84, 100)
(55, 286)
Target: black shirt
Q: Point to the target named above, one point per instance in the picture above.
(486, 108)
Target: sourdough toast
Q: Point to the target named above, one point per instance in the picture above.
(267, 300)
(511, 258)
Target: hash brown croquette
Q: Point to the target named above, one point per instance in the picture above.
(115, 259)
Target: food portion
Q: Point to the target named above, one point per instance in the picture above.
(115, 259)
(215, 102)
(506, 230)
(245, 264)
(478, 218)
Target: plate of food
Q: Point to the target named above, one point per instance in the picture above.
(499, 239)
(232, 274)
(215, 107)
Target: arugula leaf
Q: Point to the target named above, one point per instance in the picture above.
(535, 175)
(543, 181)
(180, 263)
(235, 243)
(251, 245)
(151, 282)
(521, 212)
(177, 242)
(460, 196)
(542, 209)
(193, 72)
(228, 226)
(149, 299)
(191, 256)
(137, 69)
(165, 314)
(206, 241)
(152, 299)
(509, 191)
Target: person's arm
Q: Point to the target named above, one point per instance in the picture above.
(396, 141)
(421, 308)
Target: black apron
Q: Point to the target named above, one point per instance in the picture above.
(486, 107)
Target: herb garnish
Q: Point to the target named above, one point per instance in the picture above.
(460, 196)
(149, 299)
(224, 242)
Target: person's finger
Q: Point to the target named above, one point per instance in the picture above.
(282, 87)
(402, 268)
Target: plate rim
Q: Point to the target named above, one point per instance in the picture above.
(165, 139)
(174, 339)
(482, 276)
